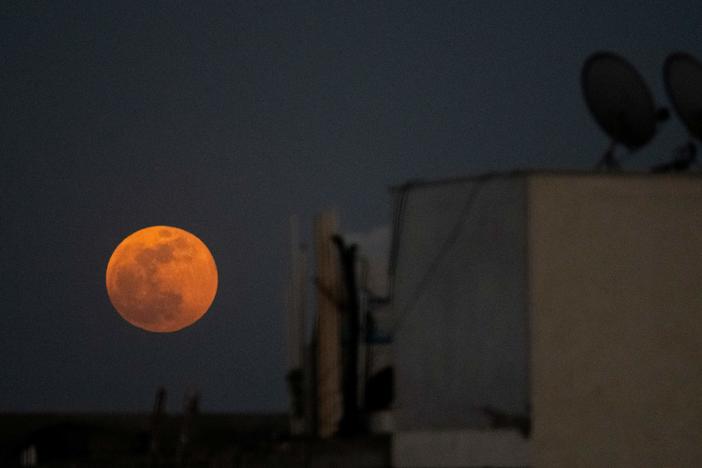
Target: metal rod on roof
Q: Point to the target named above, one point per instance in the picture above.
(349, 424)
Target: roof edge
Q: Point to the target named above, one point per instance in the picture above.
(417, 183)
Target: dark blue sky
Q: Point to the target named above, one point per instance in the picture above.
(223, 118)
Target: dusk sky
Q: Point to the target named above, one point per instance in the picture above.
(224, 118)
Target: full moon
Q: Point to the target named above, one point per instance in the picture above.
(161, 279)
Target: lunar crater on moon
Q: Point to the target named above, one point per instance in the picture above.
(161, 279)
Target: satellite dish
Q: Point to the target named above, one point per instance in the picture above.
(682, 75)
(621, 103)
(683, 83)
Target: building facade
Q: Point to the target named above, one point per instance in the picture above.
(548, 319)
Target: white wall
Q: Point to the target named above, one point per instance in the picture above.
(616, 293)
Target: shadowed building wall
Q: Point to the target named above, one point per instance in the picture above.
(459, 302)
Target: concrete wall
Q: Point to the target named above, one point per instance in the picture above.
(616, 320)
(460, 449)
(459, 303)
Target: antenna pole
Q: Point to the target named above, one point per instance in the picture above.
(349, 424)
(608, 161)
(156, 422)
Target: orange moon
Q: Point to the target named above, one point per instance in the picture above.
(161, 279)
